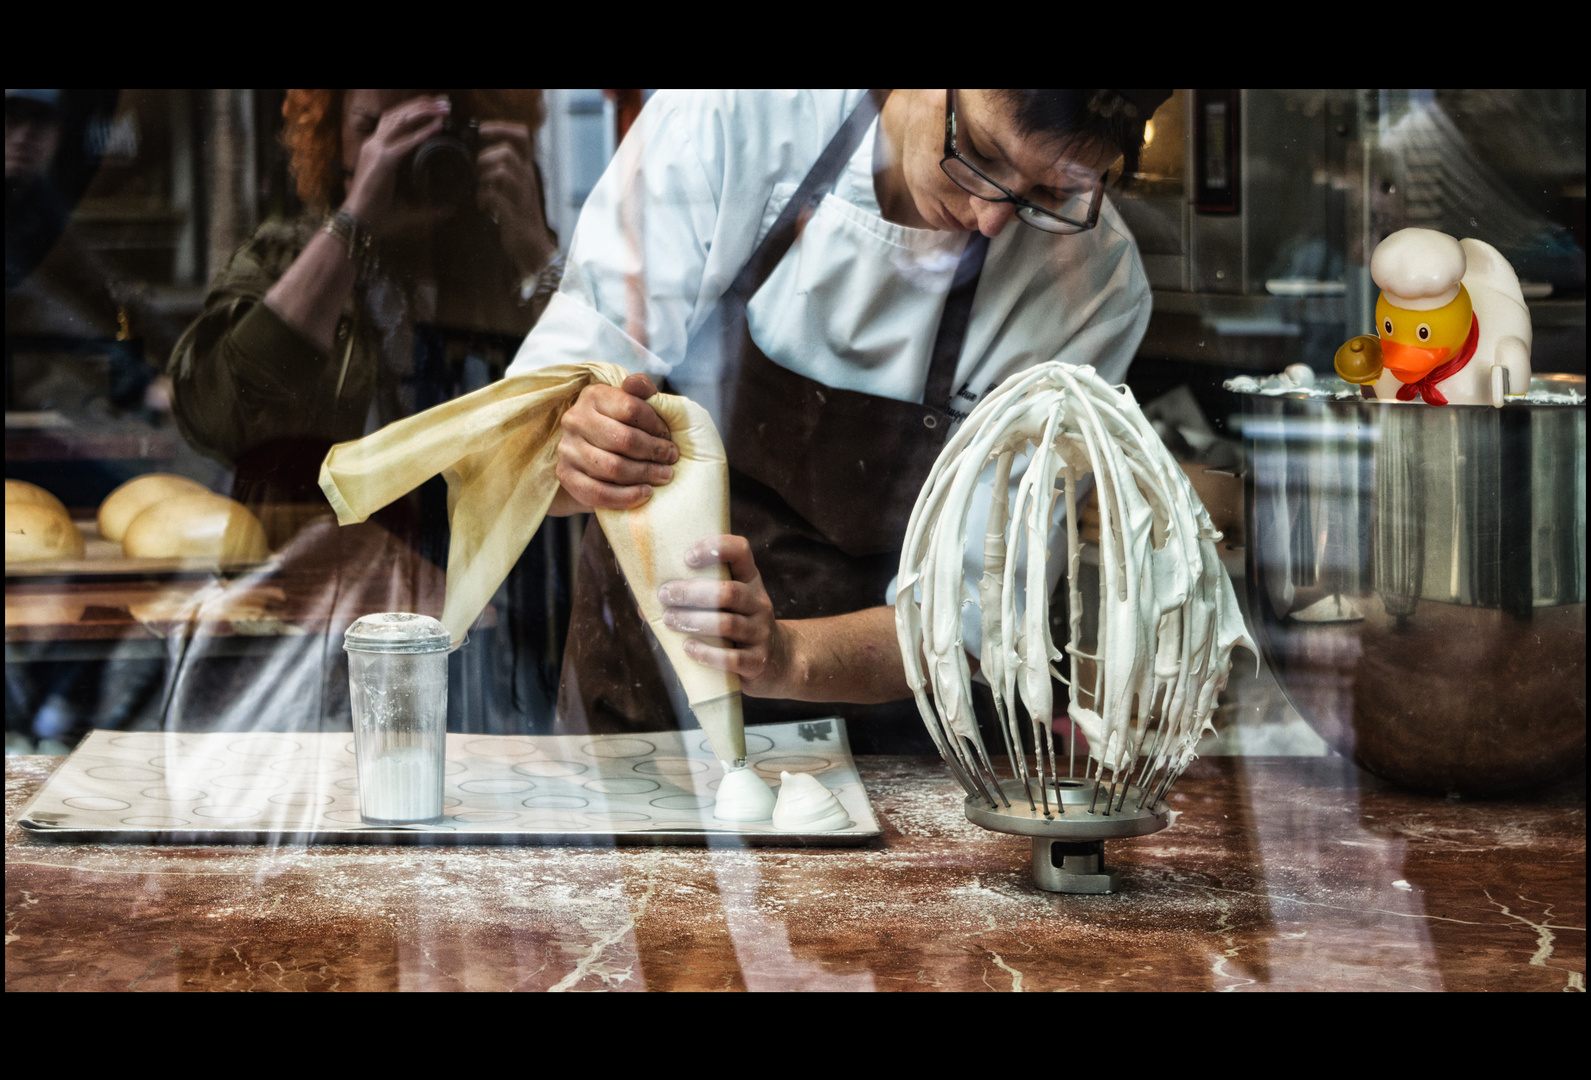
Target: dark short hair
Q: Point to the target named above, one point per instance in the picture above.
(1104, 118)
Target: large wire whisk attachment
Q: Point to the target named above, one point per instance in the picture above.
(1142, 692)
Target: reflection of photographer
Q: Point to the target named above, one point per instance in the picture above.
(421, 262)
(325, 327)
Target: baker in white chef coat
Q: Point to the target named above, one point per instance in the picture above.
(839, 277)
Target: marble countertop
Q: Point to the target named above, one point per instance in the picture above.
(1295, 873)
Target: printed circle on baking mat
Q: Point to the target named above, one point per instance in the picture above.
(244, 782)
(181, 763)
(555, 802)
(791, 763)
(671, 766)
(347, 783)
(233, 812)
(550, 767)
(496, 787)
(755, 744)
(310, 766)
(125, 772)
(267, 746)
(502, 747)
(151, 821)
(96, 802)
(617, 816)
(621, 785)
(554, 821)
(452, 768)
(301, 799)
(147, 740)
(484, 817)
(167, 793)
(344, 816)
(448, 800)
(621, 746)
(683, 802)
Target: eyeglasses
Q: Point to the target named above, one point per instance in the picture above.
(1060, 213)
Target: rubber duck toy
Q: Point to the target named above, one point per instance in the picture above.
(1451, 324)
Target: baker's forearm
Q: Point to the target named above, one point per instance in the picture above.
(311, 295)
(853, 658)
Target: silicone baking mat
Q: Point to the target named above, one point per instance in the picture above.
(166, 787)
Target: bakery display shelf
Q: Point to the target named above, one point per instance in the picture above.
(103, 561)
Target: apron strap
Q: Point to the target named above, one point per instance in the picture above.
(953, 323)
(952, 332)
(822, 177)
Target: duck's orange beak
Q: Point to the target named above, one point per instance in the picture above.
(1410, 363)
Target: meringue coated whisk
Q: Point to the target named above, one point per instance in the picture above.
(1168, 618)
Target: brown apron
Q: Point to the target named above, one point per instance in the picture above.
(822, 483)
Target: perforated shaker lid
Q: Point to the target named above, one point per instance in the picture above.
(397, 632)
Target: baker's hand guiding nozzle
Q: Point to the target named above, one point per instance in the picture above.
(1359, 359)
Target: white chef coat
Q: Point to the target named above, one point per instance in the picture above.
(855, 303)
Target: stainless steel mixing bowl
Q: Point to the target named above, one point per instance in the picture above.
(1416, 579)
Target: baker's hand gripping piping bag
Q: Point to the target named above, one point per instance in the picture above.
(497, 448)
(650, 543)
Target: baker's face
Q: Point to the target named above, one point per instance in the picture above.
(1038, 168)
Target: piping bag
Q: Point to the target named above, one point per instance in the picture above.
(497, 448)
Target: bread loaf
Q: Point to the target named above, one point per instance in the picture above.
(213, 602)
(124, 504)
(20, 491)
(47, 609)
(40, 532)
(196, 527)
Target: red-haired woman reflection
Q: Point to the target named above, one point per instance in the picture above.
(421, 260)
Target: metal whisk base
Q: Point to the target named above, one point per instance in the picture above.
(1069, 821)
(1072, 867)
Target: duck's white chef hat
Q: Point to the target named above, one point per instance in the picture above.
(1418, 269)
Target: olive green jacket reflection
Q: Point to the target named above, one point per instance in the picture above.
(242, 378)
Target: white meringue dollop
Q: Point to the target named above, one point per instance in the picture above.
(743, 796)
(805, 805)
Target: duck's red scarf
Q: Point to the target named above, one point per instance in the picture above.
(1426, 386)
